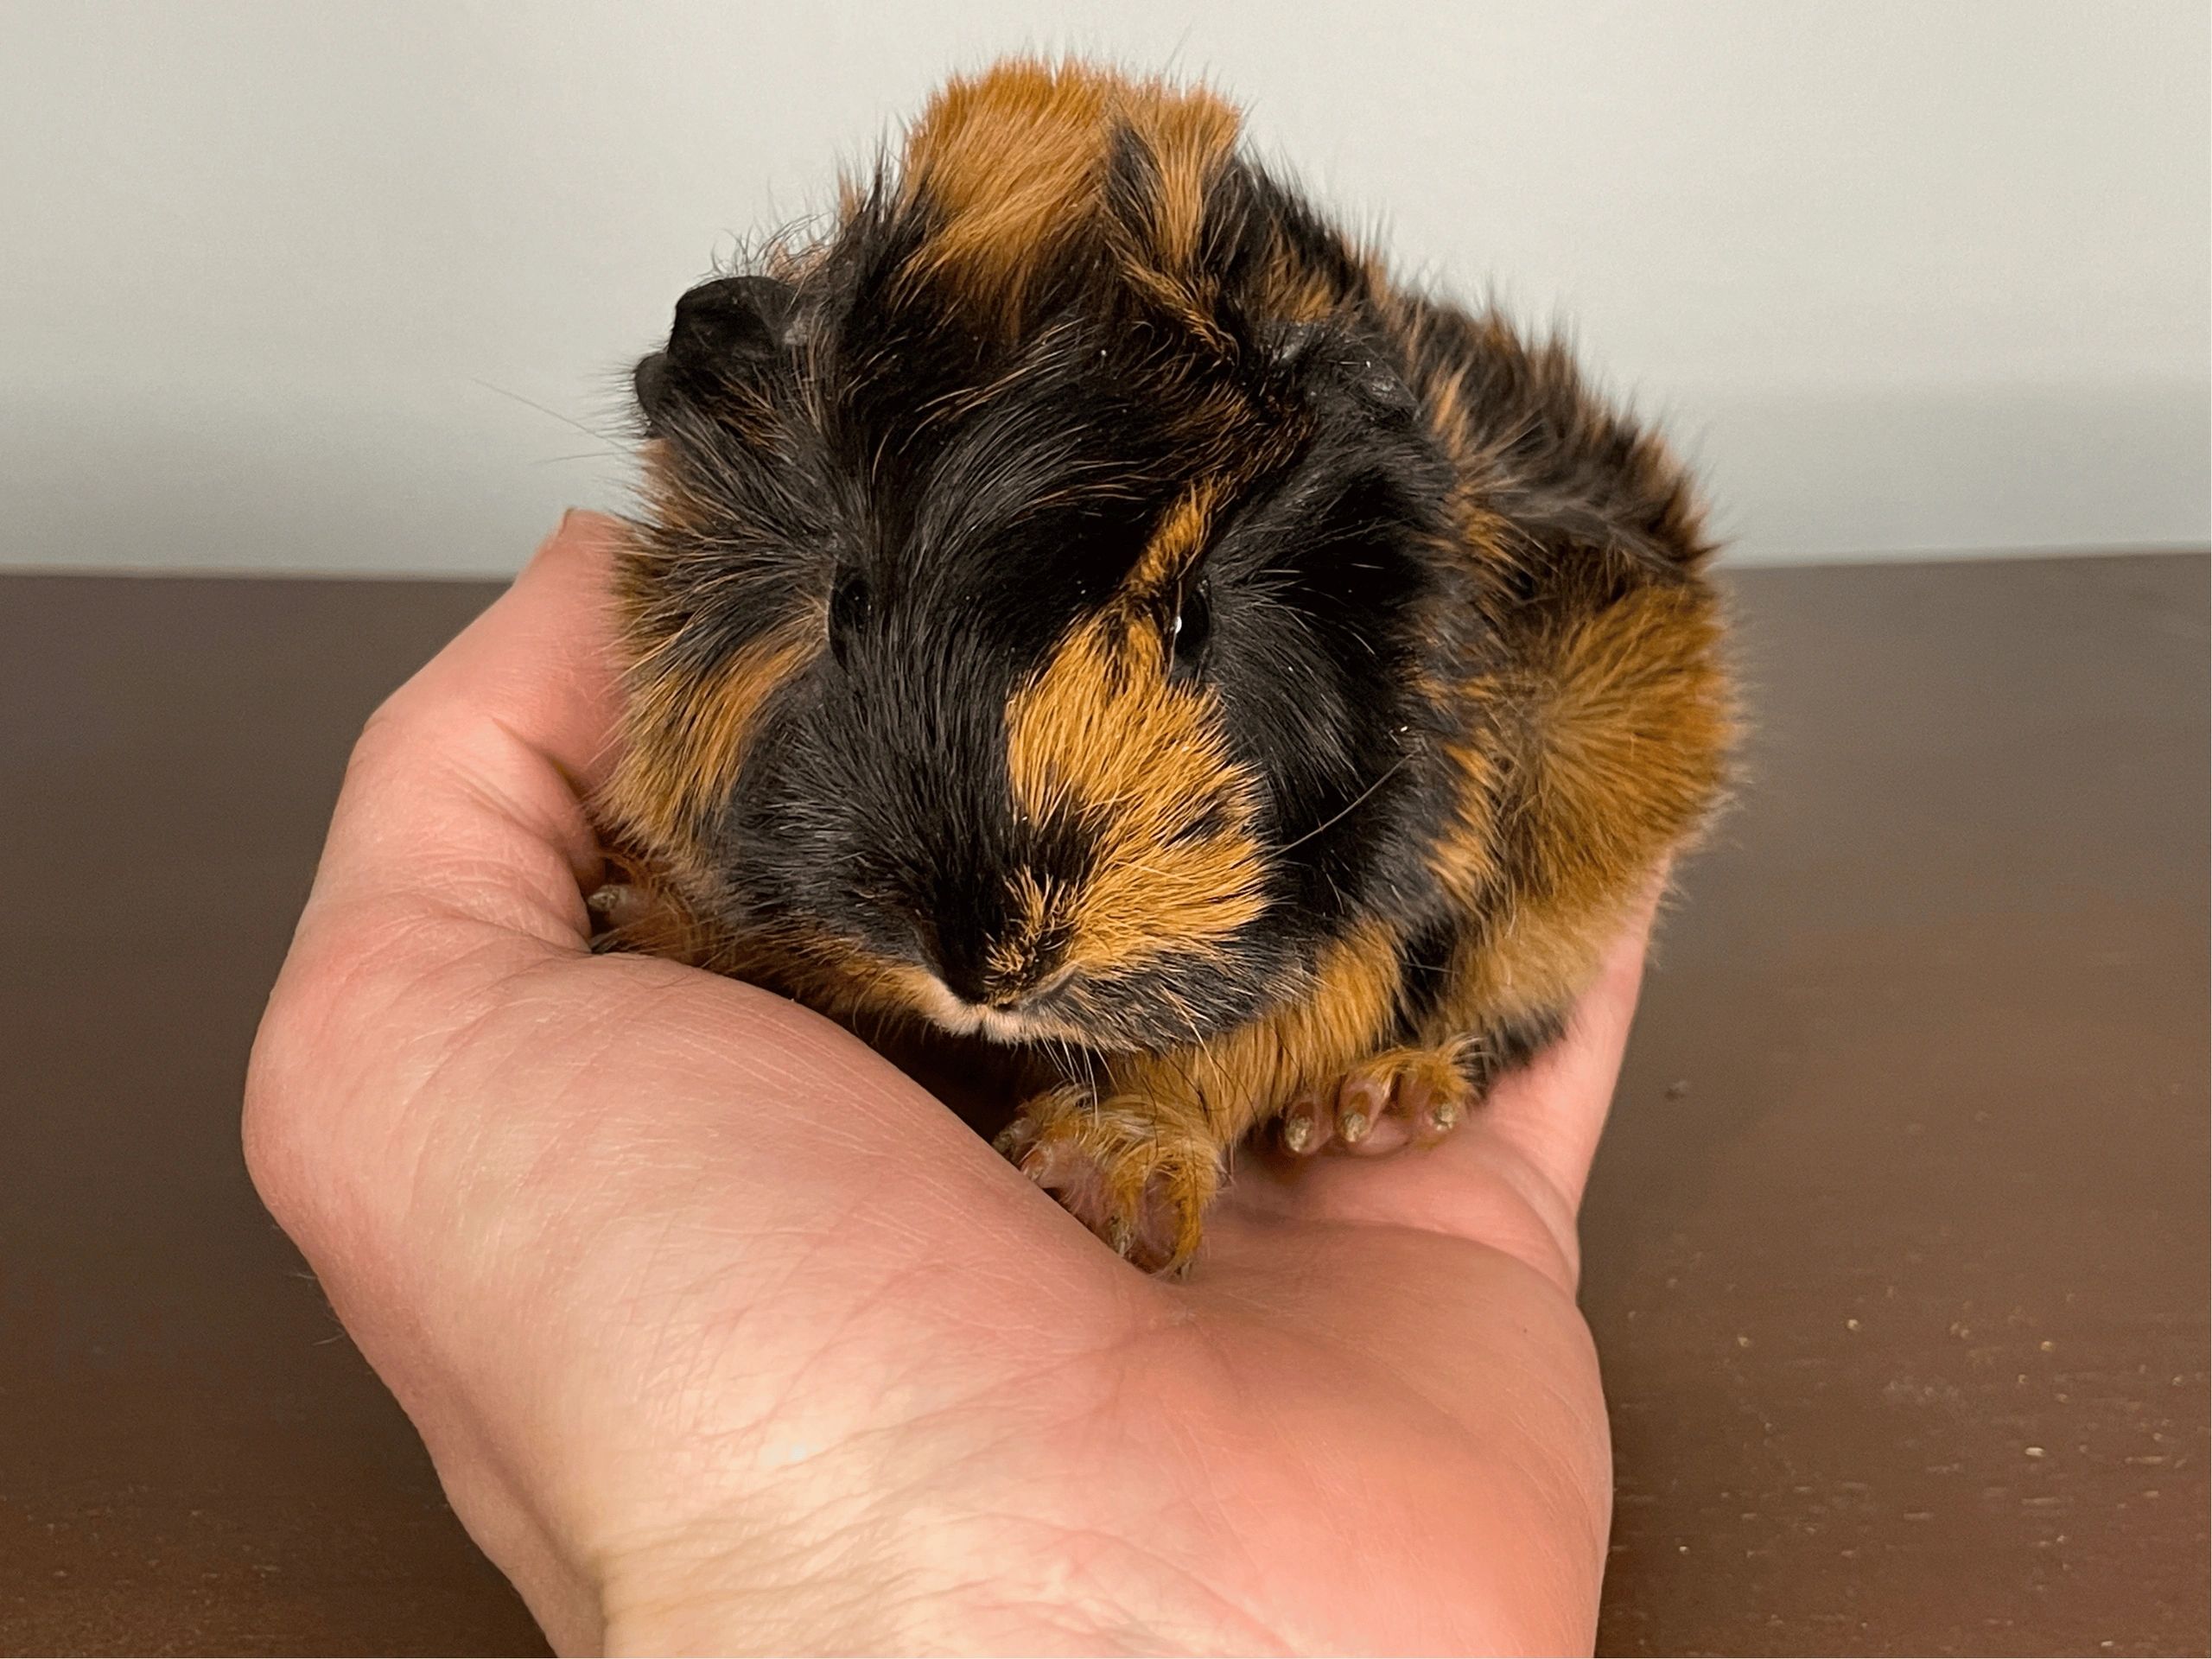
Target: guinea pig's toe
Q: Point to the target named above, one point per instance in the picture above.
(1435, 1107)
(1366, 1121)
(1111, 1168)
(1148, 1228)
(1061, 1165)
(1164, 1231)
(1399, 1098)
(1012, 1141)
(1307, 1126)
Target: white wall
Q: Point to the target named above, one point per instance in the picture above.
(279, 283)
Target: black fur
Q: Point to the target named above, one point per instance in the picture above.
(955, 501)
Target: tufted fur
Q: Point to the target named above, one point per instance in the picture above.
(1083, 601)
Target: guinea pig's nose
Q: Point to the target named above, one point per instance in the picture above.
(964, 982)
(963, 966)
(974, 972)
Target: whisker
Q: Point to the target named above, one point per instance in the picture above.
(1336, 817)
(613, 447)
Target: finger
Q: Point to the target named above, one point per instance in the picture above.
(465, 792)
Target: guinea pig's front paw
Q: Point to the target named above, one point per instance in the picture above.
(1139, 1183)
(1402, 1096)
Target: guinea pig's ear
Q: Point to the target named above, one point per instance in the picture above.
(726, 333)
(1381, 386)
(724, 328)
(1289, 344)
(1323, 353)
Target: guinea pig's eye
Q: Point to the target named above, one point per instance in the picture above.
(847, 612)
(1187, 633)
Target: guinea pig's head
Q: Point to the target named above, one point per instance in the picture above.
(1037, 611)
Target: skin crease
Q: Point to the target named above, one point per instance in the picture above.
(725, 1336)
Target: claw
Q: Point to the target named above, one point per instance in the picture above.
(1398, 1098)
(1134, 1183)
(1306, 1124)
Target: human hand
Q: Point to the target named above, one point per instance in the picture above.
(725, 1336)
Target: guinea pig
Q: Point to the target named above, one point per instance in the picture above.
(1082, 601)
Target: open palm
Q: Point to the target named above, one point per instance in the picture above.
(724, 1335)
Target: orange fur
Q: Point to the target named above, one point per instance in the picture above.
(1013, 159)
(1588, 745)
(1104, 733)
(1142, 1158)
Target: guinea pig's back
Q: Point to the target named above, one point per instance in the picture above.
(1597, 702)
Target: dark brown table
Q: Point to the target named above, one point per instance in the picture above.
(1896, 1249)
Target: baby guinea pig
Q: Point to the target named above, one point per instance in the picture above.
(1082, 603)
